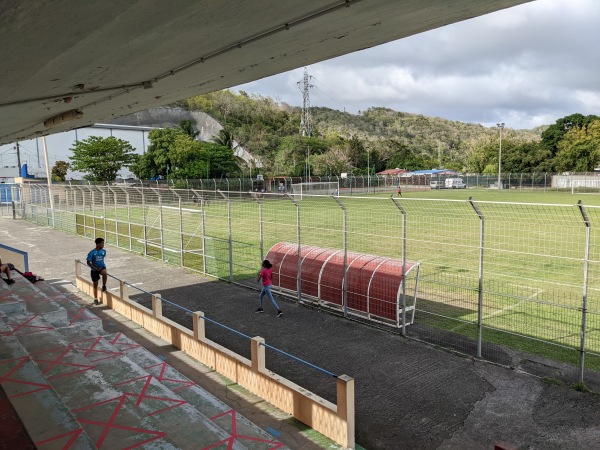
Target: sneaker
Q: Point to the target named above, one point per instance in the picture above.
(11, 281)
(96, 302)
(104, 288)
(260, 310)
(279, 313)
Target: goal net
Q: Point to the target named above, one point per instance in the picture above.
(585, 186)
(577, 183)
(315, 188)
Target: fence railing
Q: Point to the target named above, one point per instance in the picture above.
(374, 184)
(492, 274)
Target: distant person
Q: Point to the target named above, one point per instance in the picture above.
(266, 274)
(399, 191)
(95, 259)
(5, 269)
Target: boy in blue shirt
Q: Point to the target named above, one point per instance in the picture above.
(95, 259)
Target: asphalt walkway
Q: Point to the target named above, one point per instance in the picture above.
(408, 395)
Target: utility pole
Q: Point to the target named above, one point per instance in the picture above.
(19, 159)
(305, 120)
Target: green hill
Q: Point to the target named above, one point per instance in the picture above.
(379, 137)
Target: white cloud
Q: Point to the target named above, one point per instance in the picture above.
(525, 66)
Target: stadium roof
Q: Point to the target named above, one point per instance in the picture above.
(392, 172)
(68, 64)
(431, 172)
(434, 172)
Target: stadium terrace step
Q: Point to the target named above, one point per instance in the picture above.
(57, 364)
(47, 420)
(92, 365)
(162, 390)
(228, 419)
(41, 299)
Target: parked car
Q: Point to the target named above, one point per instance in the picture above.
(455, 183)
(436, 185)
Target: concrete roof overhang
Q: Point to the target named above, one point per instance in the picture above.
(65, 64)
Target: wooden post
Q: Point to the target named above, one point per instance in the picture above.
(123, 291)
(345, 406)
(157, 306)
(199, 325)
(258, 354)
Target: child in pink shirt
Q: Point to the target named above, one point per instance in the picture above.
(266, 275)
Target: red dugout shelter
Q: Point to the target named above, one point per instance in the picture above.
(374, 283)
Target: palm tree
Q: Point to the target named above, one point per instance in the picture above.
(186, 126)
(225, 138)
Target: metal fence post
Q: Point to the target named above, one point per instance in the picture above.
(115, 201)
(299, 281)
(230, 234)
(84, 215)
(345, 235)
(144, 223)
(260, 228)
(104, 213)
(202, 215)
(480, 287)
(162, 231)
(128, 203)
(181, 242)
(586, 264)
(404, 240)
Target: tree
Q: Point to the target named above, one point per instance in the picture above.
(224, 139)
(405, 158)
(176, 154)
(101, 158)
(527, 157)
(157, 160)
(187, 127)
(59, 171)
(552, 135)
(579, 150)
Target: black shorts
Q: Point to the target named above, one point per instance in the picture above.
(95, 275)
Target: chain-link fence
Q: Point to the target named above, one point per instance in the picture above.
(492, 275)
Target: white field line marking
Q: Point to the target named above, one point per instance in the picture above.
(500, 311)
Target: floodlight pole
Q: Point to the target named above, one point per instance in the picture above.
(500, 127)
(368, 170)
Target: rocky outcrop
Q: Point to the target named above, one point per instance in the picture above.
(165, 117)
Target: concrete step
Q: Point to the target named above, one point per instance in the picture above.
(146, 370)
(230, 420)
(45, 299)
(10, 301)
(47, 420)
(95, 357)
(104, 412)
(118, 400)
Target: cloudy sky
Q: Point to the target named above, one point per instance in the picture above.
(526, 66)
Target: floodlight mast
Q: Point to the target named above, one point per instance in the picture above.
(500, 127)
